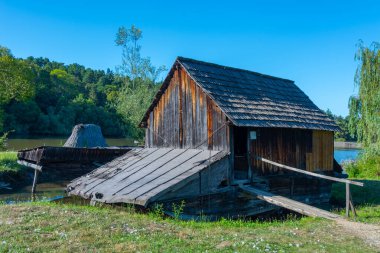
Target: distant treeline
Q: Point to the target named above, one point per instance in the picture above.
(64, 96)
(343, 123)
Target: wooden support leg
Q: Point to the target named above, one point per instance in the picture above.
(352, 206)
(34, 183)
(347, 199)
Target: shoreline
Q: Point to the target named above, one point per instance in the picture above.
(347, 145)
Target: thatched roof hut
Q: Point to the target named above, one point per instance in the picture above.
(86, 136)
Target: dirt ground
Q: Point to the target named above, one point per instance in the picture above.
(370, 233)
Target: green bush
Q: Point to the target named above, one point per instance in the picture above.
(3, 141)
(8, 162)
(367, 165)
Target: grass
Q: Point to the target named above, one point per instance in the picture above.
(52, 227)
(366, 199)
(8, 162)
(49, 227)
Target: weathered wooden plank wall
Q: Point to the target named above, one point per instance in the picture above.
(323, 151)
(185, 117)
(310, 150)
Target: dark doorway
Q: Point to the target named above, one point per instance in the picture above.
(240, 153)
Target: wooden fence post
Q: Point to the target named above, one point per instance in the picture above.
(347, 199)
(35, 181)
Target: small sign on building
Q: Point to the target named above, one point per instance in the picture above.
(252, 135)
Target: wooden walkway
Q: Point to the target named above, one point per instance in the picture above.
(289, 203)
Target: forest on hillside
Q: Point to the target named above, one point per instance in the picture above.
(65, 95)
(41, 97)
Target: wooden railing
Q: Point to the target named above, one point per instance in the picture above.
(349, 202)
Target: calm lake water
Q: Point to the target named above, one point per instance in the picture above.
(18, 144)
(45, 191)
(342, 155)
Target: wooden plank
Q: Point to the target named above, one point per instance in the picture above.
(30, 165)
(310, 173)
(347, 200)
(168, 170)
(109, 183)
(95, 179)
(134, 179)
(174, 182)
(35, 179)
(209, 122)
(289, 203)
(134, 155)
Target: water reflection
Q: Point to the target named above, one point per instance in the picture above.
(44, 191)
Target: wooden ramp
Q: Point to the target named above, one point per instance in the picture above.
(289, 203)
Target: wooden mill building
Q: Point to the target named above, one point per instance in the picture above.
(211, 132)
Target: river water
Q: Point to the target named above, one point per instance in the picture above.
(56, 189)
(342, 155)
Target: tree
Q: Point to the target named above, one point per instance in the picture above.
(365, 106)
(5, 52)
(133, 64)
(15, 80)
(342, 122)
(139, 77)
(133, 103)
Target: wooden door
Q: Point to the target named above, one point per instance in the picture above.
(240, 153)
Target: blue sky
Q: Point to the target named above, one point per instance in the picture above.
(310, 42)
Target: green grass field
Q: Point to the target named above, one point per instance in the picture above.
(49, 227)
(53, 227)
(366, 200)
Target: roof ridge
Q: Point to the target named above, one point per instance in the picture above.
(181, 58)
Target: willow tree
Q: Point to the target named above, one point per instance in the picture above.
(365, 106)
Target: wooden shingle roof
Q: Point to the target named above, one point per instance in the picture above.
(252, 99)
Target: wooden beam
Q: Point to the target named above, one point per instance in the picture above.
(310, 173)
(35, 179)
(180, 115)
(232, 154)
(352, 206)
(249, 155)
(30, 165)
(347, 199)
